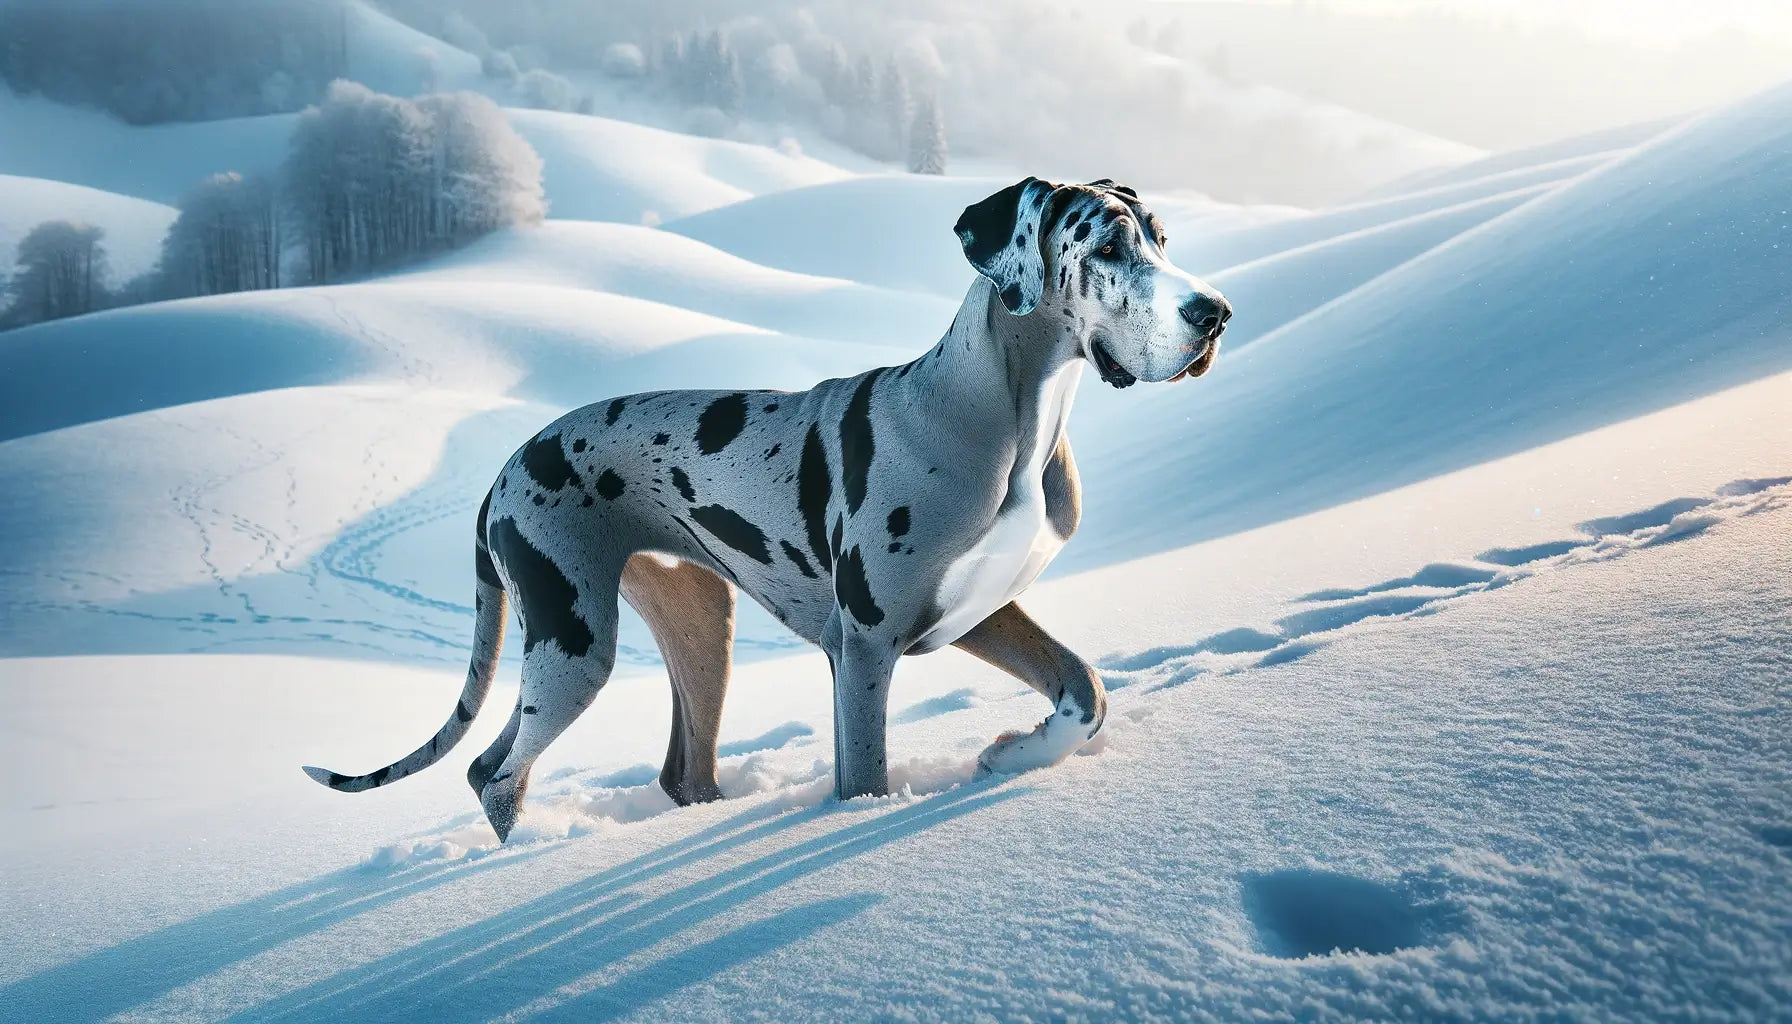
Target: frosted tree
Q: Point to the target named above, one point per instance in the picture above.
(499, 65)
(484, 176)
(864, 128)
(927, 139)
(545, 90)
(226, 239)
(374, 180)
(60, 272)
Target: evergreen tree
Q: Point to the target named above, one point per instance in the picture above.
(927, 139)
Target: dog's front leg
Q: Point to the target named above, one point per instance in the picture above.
(863, 662)
(1011, 641)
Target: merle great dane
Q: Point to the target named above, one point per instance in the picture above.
(886, 514)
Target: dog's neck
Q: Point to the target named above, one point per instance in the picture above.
(996, 373)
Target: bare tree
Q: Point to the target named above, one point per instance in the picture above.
(226, 239)
(61, 272)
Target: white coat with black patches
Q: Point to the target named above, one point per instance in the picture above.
(890, 513)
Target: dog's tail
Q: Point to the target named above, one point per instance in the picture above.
(489, 606)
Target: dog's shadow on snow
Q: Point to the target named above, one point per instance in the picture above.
(510, 960)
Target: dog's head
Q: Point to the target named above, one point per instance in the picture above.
(1092, 256)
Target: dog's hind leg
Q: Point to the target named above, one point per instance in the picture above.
(486, 764)
(1014, 643)
(691, 613)
(569, 643)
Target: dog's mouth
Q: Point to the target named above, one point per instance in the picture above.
(1110, 369)
(1201, 363)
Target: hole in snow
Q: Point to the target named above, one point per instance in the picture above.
(1302, 913)
(1778, 835)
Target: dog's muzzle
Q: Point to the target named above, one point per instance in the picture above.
(1203, 362)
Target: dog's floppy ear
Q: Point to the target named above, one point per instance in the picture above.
(1000, 236)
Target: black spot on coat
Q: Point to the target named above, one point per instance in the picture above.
(792, 552)
(813, 487)
(683, 483)
(614, 411)
(661, 438)
(856, 443)
(728, 527)
(898, 520)
(609, 485)
(546, 462)
(853, 590)
(546, 598)
(721, 423)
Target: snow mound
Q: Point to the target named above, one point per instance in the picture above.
(1593, 146)
(386, 55)
(895, 231)
(1652, 280)
(1268, 292)
(160, 163)
(1212, 251)
(134, 227)
(599, 169)
(668, 268)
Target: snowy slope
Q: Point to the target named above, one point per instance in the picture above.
(601, 169)
(159, 163)
(389, 56)
(1491, 840)
(1444, 623)
(1657, 278)
(134, 228)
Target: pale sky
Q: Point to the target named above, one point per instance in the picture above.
(1653, 22)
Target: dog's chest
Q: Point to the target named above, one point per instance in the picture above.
(1018, 545)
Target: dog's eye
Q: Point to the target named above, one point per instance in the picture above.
(1108, 250)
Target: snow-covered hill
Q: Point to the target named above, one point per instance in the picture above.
(594, 168)
(1443, 620)
(134, 228)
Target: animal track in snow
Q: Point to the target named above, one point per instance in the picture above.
(945, 703)
(1306, 913)
(1427, 590)
(773, 739)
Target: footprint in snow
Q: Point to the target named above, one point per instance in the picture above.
(1304, 913)
(1426, 590)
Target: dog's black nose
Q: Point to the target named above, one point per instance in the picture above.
(1206, 313)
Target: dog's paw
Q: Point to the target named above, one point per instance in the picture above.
(1051, 741)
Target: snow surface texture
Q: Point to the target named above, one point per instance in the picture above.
(1445, 622)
